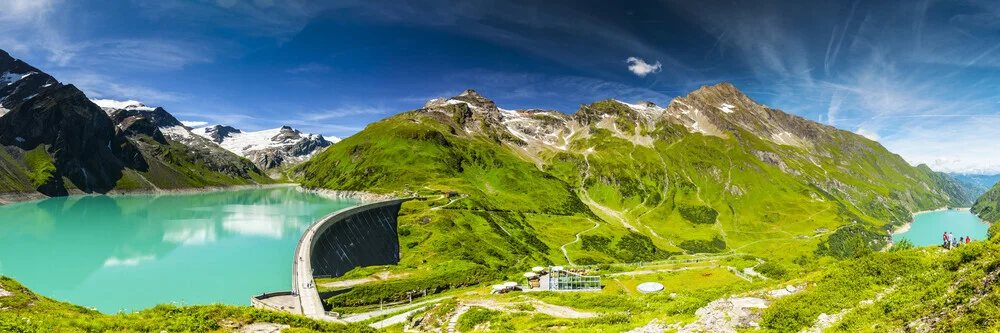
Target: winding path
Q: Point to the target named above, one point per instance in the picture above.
(565, 254)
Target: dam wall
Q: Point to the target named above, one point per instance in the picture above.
(360, 236)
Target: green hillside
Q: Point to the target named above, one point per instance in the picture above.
(988, 205)
(26, 312)
(637, 182)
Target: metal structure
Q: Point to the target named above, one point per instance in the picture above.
(561, 279)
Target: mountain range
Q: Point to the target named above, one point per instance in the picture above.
(268, 149)
(57, 141)
(712, 171)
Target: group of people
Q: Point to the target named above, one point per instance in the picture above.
(951, 241)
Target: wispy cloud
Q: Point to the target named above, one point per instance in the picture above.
(193, 124)
(891, 72)
(641, 68)
(312, 67)
(97, 85)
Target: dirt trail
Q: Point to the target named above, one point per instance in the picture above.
(565, 254)
(557, 311)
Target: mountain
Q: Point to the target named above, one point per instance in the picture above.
(987, 207)
(57, 141)
(20, 81)
(711, 172)
(268, 149)
(980, 183)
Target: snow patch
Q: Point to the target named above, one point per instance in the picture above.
(8, 78)
(19, 139)
(245, 142)
(176, 132)
(127, 105)
(727, 108)
(649, 110)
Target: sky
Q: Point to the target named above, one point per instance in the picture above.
(920, 77)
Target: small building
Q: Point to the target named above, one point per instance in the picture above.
(561, 279)
(451, 194)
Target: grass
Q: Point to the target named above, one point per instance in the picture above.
(28, 312)
(40, 165)
(797, 208)
(948, 290)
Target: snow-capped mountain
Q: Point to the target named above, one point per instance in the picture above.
(268, 148)
(120, 111)
(20, 82)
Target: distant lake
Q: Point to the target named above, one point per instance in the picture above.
(928, 228)
(132, 252)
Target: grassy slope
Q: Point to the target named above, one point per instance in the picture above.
(28, 312)
(171, 166)
(947, 291)
(685, 193)
(13, 173)
(988, 205)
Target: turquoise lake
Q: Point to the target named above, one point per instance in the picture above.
(132, 252)
(928, 228)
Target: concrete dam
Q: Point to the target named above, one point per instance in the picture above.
(363, 235)
(356, 237)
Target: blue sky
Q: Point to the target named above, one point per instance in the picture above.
(921, 77)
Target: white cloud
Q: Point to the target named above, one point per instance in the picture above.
(641, 68)
(193, 124)
(871, 135)
(99, 86)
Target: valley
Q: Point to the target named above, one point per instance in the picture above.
(749, 217)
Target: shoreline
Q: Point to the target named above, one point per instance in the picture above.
(8, 198)
(358, 195)
(906, 227)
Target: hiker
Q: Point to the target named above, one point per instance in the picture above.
(954, 242)
(968, 240)
(947, 242)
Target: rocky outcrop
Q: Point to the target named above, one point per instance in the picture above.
(82, 141)
(219, 133)
(20, 81)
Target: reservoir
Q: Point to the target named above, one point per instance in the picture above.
(928, 228)
(132, 252)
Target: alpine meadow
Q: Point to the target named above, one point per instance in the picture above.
(499, 166)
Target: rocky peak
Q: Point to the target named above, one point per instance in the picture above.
(20, 81)
(723, 92)
(287, 133)
(83, 141)
(157, 117)
(218, 133)
(647, 104)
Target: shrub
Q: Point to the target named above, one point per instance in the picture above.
(902, 245)
(698, 214)
(772, 270)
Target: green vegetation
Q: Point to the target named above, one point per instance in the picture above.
(28, 313)
(951, 291)
(477, 316)
(442, 279)
(988, 205)
(40, 165)
(797, 207)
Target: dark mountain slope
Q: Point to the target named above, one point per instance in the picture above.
(57, 141)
